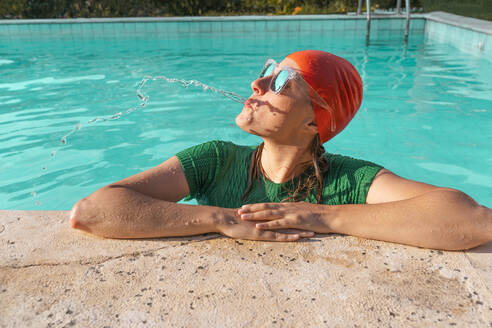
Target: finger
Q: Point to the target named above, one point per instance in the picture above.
(276, 224)
(301, 233)
(263, 215)
(257, 207)
(277, 236)
(306, 234)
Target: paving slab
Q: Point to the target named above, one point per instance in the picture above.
(54, 276)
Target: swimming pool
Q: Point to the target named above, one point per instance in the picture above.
(426, 113)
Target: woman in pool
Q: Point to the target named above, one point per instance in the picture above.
(287, 187)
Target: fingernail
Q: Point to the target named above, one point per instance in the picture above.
(259, 225)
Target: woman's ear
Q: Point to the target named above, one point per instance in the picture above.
(311, 126)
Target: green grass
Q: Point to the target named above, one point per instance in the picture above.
(481, 9)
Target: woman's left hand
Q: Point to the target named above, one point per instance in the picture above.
(293, 215)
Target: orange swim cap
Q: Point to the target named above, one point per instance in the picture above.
(337, 82)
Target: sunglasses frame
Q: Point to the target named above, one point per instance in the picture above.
(291, 74)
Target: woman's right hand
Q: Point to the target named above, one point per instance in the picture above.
(230, 224)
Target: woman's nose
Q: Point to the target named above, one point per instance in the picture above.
(260, 85)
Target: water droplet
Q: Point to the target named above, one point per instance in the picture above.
(63, 140)
(33, 194)
(78, 126)
(38, 203)
(44, 167)
(53, 153)
(116, 115)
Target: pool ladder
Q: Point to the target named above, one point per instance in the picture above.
(398, 12)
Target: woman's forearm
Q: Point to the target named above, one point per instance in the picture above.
(118, 212)
(443, 219)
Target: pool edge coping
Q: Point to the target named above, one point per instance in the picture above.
(55, 253)
(200, 19)
(474, 24)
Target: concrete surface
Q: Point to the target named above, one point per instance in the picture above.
(479, 25)
(52, 276)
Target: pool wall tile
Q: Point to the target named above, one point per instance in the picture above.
(6, 31)
(205, 27)
(345, 24)
(419, 24)
(304, 25)
(194, 27)
(98, 29)
(351, 24)
(271, 26)
(140, 28)
(228, 26)
(328, 26)
(260, 26)
(178, 27)
(375, 25)
(216, 27)
(360, 24)
(249, 26)
(155, 27)
(293, 27)
(118, 28)
(316, 26)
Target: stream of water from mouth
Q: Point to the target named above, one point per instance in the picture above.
(144, 100)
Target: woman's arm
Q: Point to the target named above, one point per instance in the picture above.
(398, 210)
(120, 212)
(440, 219)
(143, 206)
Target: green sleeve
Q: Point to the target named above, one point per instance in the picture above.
(353, 178)
(200, 164)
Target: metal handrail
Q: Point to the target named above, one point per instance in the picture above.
(398, 12)
(407, 5)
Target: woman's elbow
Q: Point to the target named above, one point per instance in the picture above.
(79, 216)
(103, 213)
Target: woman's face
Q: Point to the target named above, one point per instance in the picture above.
(283, 117)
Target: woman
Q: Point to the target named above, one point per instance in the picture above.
(287, 187)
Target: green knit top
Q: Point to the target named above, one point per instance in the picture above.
(217, 175)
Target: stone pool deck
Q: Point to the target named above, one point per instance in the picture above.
(52, 276)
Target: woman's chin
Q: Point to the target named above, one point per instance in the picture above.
(244, 119)
(244, 123)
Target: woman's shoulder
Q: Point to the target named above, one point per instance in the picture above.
(341, 164)
(215, 148)
(341, 159)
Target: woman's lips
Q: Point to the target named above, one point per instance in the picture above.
(248, 103)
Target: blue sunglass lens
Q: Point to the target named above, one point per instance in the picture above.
(280, 81)
(267, 70)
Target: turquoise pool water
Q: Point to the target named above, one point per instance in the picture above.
(426, 113)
